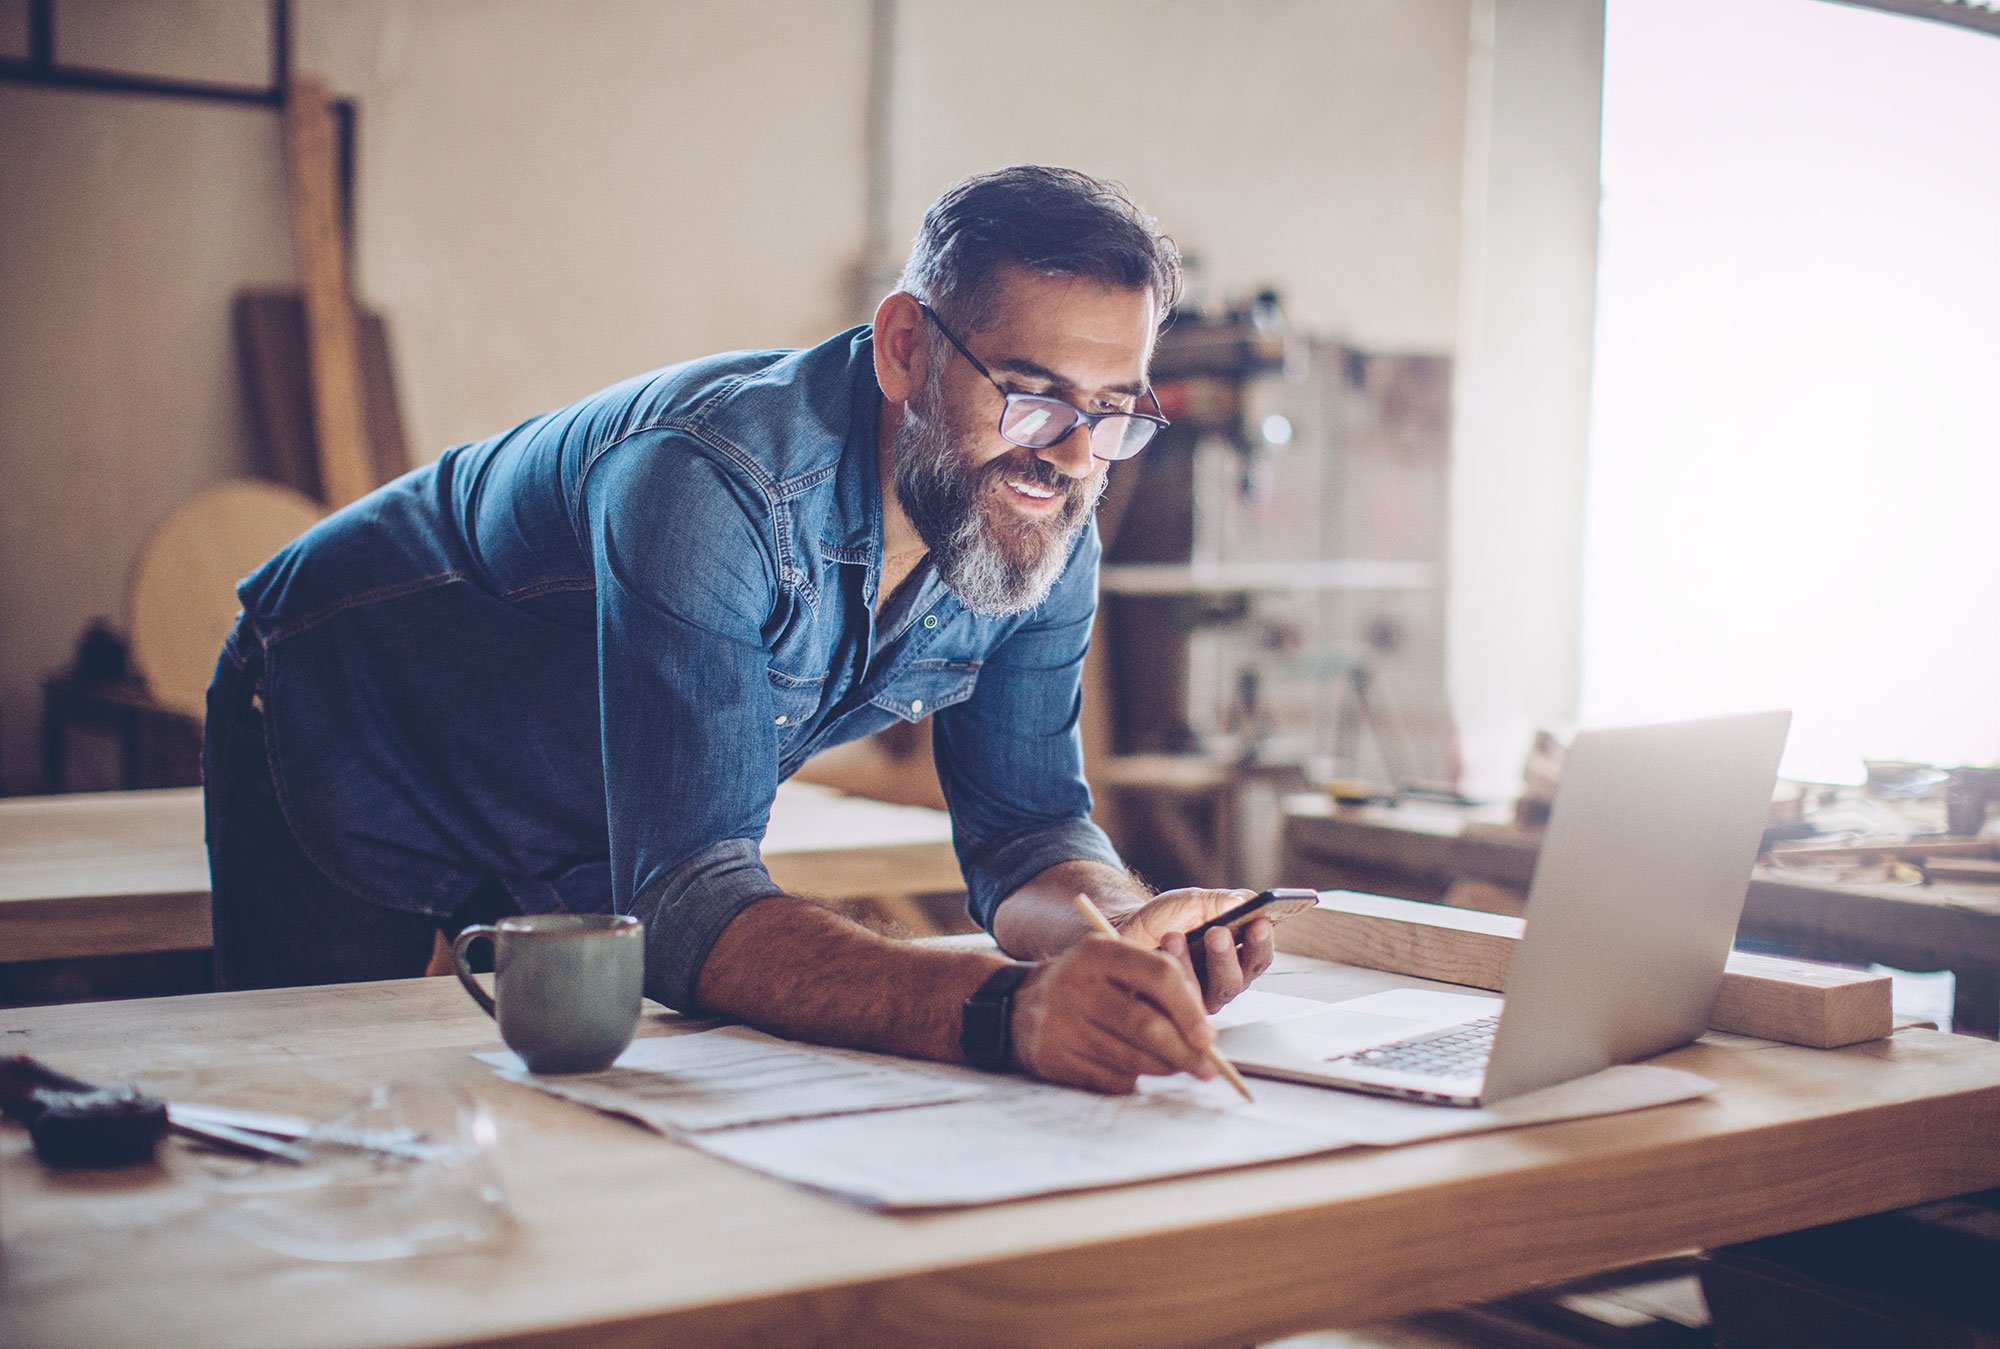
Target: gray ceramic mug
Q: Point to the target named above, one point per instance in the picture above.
(567, 985)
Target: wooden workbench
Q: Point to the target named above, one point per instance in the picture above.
(625, 1238)
(1416, 851)
(126, 873)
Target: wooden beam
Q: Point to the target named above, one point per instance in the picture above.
(1792, 1001)
(332, 330)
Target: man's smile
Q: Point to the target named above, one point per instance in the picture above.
(1033, 496)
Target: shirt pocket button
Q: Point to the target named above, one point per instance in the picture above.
(916, 707)
(782, 719)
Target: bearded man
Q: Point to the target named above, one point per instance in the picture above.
(566, 668)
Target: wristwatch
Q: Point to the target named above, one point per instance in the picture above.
(987, 1035)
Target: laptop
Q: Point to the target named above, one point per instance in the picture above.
(1631, 916)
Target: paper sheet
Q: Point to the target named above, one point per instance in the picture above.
(722, 1079)
(1029, 1139)
(896, 1134)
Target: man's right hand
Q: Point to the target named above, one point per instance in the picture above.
(1105, 1013)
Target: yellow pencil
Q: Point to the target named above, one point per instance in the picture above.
(1215, 1056)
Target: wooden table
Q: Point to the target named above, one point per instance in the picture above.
(1416, 851)
(123, 873)
(625, 1238)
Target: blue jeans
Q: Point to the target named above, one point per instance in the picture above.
(279, 921)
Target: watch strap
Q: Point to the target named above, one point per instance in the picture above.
(986, 1035)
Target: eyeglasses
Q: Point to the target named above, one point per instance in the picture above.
(1036, 421)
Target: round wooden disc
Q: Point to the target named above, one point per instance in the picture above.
(184, 590)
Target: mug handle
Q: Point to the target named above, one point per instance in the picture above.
(465, 939)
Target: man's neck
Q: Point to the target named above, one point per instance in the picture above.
(903, 549)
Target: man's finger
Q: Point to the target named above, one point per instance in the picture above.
(1225, 974)
(1155, 1045)
(1260, 947)
(1164, 983)
(1175, 945)
(1082, 1067)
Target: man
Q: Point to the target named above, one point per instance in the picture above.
(567, 668)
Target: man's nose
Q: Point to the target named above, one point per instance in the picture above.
(1071, 455)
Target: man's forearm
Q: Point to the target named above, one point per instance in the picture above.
(797, 969)
(1040, 918)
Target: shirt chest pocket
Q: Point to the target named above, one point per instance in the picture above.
(927, 686)
(795, 702)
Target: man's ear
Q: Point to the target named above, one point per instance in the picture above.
(900, 351)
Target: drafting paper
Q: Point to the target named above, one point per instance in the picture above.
(721, 1079)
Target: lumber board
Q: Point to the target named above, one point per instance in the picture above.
(1792, 1001)
(1909, 849)
(332, 331)
(1976, 869)
(272, 350)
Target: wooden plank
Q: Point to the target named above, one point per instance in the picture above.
(1964, 869)
(339, 421)
(1791, 1138)
(1795, 1002)
(272, 351)
(1906, 848)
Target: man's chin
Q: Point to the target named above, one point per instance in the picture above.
(1025, 538)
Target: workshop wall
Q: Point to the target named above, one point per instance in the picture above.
(552, 197)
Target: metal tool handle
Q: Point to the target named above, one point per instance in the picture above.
(465, 976)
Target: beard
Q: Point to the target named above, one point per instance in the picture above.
(997, 561)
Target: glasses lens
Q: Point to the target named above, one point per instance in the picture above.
(1036, 423)
(1121, 437)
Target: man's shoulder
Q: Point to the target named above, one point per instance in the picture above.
(780, 415)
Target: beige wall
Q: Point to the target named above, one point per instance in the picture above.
(125, 225)
(554, 196)
(1313, 145)
(1513, 638)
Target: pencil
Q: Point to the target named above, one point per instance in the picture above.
(1215, 1056)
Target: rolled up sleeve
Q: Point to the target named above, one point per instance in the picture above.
(686, 578)
(1010, 758)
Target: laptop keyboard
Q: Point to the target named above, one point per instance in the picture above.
(1461, 1051)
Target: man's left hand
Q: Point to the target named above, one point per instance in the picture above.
(1229, 962)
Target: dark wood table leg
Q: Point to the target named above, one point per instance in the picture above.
(1976, 1003)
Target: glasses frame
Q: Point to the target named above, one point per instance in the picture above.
(1087, 420)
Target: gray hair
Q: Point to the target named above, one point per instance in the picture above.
(1057, 222)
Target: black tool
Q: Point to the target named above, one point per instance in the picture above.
(75, 1124)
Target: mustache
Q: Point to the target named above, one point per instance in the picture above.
(1034, 471)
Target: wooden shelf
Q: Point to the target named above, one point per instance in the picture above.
(1176, 578)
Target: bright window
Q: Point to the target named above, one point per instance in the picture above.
(1795, 468)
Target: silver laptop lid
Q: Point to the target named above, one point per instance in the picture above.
(1636, 897)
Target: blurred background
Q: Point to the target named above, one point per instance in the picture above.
(1544, 361)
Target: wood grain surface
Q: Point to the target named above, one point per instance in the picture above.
(123, 873)
(332, 329)
(624, 1238)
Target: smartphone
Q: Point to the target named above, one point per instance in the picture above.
(1276, 905)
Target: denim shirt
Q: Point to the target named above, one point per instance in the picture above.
(580, 656)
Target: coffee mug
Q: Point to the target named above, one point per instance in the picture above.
(567, 986)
